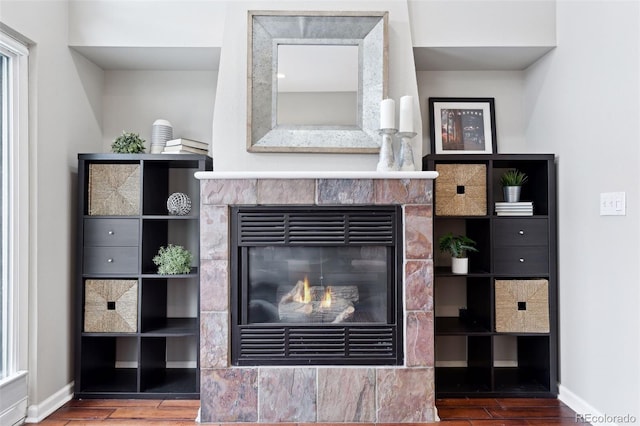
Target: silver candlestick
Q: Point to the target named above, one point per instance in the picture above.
(386, 160)
(406, 152)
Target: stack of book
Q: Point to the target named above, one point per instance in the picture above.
(521, 208)
(185, 146)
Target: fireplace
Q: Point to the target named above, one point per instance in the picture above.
(290, 392)
(316, 285)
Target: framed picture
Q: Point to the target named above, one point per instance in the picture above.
(462, 126)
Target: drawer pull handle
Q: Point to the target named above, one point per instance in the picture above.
(110, 260)
(521, 232)
(522, 260)
(110, 232)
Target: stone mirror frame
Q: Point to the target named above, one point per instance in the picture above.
(267, 30)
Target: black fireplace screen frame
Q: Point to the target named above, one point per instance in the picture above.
(347, 343)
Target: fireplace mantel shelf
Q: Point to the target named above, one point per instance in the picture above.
(316, 175)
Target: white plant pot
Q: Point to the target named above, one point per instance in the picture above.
(459, 265)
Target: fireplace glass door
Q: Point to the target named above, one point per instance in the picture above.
(318, 284)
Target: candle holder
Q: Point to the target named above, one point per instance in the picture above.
(406, 152)
(386, 160)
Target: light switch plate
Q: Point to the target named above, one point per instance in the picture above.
(613, 204)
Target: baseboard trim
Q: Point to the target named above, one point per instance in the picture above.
(585, 412)
(38, 412)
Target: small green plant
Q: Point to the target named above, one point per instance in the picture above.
(128, 143)
(456, 245)
(172, 260)
(513, 177)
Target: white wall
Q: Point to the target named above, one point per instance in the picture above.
(133, 100)
(127, 23)
(582, 102)
(486, 23)
(65, 118)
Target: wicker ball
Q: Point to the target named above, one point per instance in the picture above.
(179, 204)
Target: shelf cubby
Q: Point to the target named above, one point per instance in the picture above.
(160, 373)
(471, 373)
(106, 366)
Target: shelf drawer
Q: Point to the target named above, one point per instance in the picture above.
(521, 260)
(111, 306)
(461, 190)
(522, 306)
(111, 232)
(113, 189)
(521, 232)
(110, 260)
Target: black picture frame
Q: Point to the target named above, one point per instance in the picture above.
(469, 126)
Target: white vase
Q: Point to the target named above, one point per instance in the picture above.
(386, 160)
(459, 265)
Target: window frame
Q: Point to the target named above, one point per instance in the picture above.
(15, 221)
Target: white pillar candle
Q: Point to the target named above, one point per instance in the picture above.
(388, 114)
(406, 114)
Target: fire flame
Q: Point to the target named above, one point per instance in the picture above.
(326, 302)
(303, 296)
(307, 291)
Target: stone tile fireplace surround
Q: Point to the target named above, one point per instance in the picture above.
(314, 394)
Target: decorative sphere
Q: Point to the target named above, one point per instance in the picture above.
(179, 204)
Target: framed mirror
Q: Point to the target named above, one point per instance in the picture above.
(315, 81)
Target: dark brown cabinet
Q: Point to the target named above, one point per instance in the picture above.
(496, 327)
(137, 332)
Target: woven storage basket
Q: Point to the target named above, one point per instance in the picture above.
(522, 306)
(461, 190)
(114, 189)
(111, 306)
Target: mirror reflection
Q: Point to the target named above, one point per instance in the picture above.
(317, 85)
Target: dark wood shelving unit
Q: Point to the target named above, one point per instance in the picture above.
(470, 352)
(158, 358)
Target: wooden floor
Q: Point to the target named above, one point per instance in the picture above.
(453, 412)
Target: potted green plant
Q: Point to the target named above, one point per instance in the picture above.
(128, 143)
(512, 181)
(457, 246)
(172, 260)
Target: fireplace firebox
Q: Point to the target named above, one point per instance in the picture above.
(316, 285)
